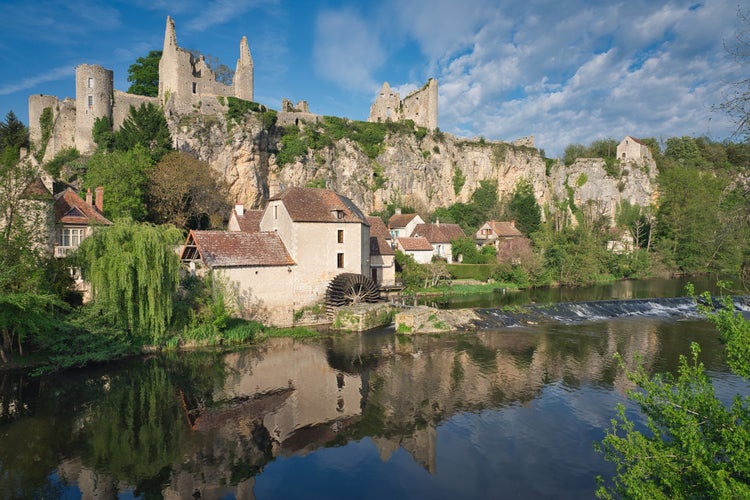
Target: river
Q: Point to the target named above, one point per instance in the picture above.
(502, 413)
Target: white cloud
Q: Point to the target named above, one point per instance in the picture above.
(219, 12)
(59, 73)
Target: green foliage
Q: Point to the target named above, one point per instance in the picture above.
(573, 152)
(318, 182)
(64, 156)
(143, 75)
(13, 133)
(582, 179)
(696, 446)
(524, 209)
(124, 176)
(467, 249)
(145, 126)
(479, 272)
(133, 272)
(104, 137)
(576, 256)
(45, 126)
(411, 274)
(292, 147)
(237, 110)
(458, 180)
(268, 119)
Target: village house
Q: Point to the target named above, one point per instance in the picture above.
(633, 150)
(495, 232)
(382, 255)
(440, 237)
(402, 225)
(76, 219)
(283, 259)
(418, 247)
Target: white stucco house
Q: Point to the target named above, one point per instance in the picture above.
(633, 150)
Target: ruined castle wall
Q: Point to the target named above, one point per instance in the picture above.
(421, 106)
(63, 123)
(295, 118)
(122, 103)
(37, 103)
(387, 106)
(243, 84)
(94, 94)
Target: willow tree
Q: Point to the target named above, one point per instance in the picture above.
(133, 271)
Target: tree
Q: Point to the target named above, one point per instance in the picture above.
(13, 133)
(102, 133)
(524, 209)
(186, 192)
(696, 446)
(223, 73)
(144, 75)
(737, 105)
(573, 152)
(133, 272)
(124, 176)
(146, 126)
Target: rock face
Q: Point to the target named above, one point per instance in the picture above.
(424, 172)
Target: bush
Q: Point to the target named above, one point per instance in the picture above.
(479, 272)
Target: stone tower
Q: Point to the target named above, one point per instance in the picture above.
(94, 99)
(421, 106)
(243, 74)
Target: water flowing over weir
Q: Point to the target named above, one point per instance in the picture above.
(598, 310)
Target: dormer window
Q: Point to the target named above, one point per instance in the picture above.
(338, 214)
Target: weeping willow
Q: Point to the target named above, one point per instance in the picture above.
(133, 272)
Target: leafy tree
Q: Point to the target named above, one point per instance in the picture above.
(524, 209)
(186, 192)
(696, 446)
(133, 272)
(485, 199)
(573, 152)
(13, 133)
(102, 133)
(685, 151)
(737, 106)
(146, 126)
(144, 75)
(124, 176)
(410, 273)
(466, 248)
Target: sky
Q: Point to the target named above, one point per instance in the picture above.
(564, 72)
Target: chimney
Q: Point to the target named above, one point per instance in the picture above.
(398, 211)
(239, 208)
(100, 199)
(437, 222)
(513, 223)
(88, 197)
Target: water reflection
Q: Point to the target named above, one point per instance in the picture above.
(227, 425)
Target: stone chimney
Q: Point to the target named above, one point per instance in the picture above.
(437, 222)
(88, 197)
(239, 208)
(100, 199)
(398, 211)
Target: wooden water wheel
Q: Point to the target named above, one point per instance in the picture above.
(349, 288)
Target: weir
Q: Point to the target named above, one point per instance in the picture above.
(599, 310)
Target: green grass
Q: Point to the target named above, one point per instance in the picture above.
(297, 332)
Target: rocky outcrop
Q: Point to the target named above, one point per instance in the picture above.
(424, 171)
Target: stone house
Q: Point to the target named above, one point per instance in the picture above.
(495, 232)
(633, 150)
(440, 237)
(382, 255)
(402, 225)
(418, 247)
(76, 219)
(287, 255)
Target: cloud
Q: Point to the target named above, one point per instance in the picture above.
(219, 12)
(59, 73)
(347, 50)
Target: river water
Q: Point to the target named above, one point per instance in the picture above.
(502, 413)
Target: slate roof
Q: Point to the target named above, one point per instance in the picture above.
(438, 233)
(319, 205)
(236, 248)
(249, 221)
(378, 246)
(504, 229)
(377, 228)
(72, 209)
(400, 220)
(415, 244)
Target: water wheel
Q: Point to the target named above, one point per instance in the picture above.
(349, 288)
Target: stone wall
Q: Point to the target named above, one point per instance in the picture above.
(421, 106)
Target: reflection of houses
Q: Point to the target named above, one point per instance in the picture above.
(305, 237)
(382, 256)
(440, 237)
(631, 149)
(418, 247)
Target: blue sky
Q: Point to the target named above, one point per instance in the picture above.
(565, 72)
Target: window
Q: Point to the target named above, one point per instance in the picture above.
(91, 83)
(341, 235)
(91, 101)
(275, 212)
(340, 260)
(195, 88)
(71, 237)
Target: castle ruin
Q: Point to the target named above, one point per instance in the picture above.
(421, 106)
(184, 81)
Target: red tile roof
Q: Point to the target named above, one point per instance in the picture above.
(415, 244)
(236, 248)
(504, 229)
(72, 209)
(377, 228)
(400, 220)
(249, 221)
(438, 233)
(37, 191)
(319, 205)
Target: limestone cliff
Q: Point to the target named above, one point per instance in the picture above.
(425, 171)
